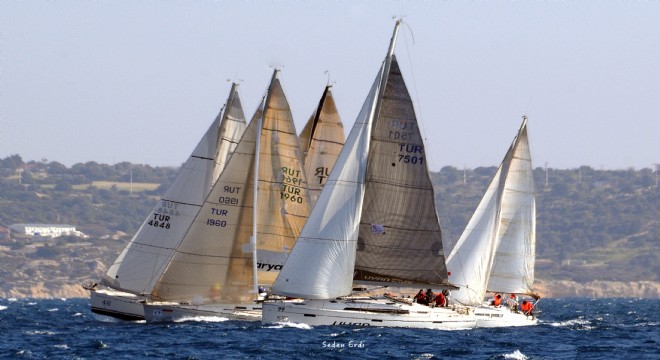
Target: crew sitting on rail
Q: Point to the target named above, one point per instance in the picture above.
(527, 308)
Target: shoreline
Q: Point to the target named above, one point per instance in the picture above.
(546, 288)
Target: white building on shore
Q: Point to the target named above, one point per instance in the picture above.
(46, 230)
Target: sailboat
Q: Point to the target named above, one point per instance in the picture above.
(225, 255)
(131, 278)
(321, 141)
(496, 252)
(374, 223)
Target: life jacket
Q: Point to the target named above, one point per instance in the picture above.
(439, 299)
(526, 306)
(497, 301)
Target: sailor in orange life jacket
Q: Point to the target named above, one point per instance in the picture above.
(527, 307)
(497, 300)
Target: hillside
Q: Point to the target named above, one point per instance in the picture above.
(597, 229)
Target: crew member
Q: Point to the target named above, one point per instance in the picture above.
(527, 307)
(497, 300)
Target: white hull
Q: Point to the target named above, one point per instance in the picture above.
(167, 312)
(366, 312)
(121, 305)
(489, 316)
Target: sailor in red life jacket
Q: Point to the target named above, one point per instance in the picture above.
(440, 300)
(526, 307)
(420, 298)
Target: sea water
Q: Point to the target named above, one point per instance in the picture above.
(568, 329)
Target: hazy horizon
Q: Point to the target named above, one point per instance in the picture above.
(138, 81)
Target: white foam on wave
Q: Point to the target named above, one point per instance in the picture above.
(515, 355)
(202, 319)
(12, 299)
(280, 325)
(53, 309)
(77, 314)
(2, 307)
(425, 356)
(61, 346)
(573, 322)
(39, 332)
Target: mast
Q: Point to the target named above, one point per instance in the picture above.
(317, 116)
(253, 239)
(386, 71)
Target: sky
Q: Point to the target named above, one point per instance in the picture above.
(140, 81)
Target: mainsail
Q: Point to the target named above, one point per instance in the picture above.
(496, 250)
(321, 141)
(375, 218)
(215, 262)
(143, 260)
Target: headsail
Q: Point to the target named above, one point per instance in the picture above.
(143, 260)
(513, 266)
(321, 141)
(214, 263)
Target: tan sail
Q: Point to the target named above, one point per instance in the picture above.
(321, 141)
(215, 262)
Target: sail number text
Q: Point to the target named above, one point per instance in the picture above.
(160, 221)
(411, 154)
(291, 182)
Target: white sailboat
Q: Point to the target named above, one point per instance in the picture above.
(132, 276)
(374, 223)
(241, 235)
(496, 251)
(321, 141)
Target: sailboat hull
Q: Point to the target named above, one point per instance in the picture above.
(168, 312)
(117, 304)
(490, 317)
(366, 312)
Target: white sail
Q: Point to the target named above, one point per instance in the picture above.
(321, 263)
(321, 141)
(513, 266)
(496, 250)
(215, 262)
(471, 259)
(143, 260)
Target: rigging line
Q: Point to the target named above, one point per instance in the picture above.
(420, 116)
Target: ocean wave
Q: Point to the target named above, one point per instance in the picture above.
(39, 332)
(2, 307)
(579, 323)
(202, 319)
(515, 355)
(281, 325)
(61, 346)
